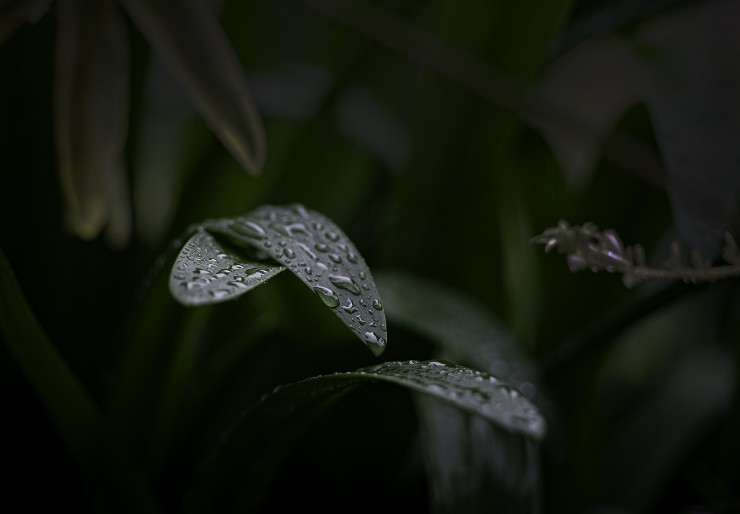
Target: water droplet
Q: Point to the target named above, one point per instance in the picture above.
(308, 251)
(335, 258)
(360, 320)
(256, 273)
(363, 303)
(268, 244)
(350, 307)
(344, 283)
(366, 287)
(363, 275)
(332, 236)
(300, 210)
(377, 305)
(248, 228)
(384, 327)
(321, 247)
(307, 270)
(373, 339)
(318, 225)
(322, 266)
(327, 296)
(352, 257)
(219, 293)
(290, 254)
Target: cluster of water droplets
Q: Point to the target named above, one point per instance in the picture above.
(319, 253)
(472, 390)
(204, 273)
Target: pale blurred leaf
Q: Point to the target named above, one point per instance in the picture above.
(92, 105)
(190, 41)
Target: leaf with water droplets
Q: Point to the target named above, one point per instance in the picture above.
(205, 272)
(317, 251)
(458, 325)
(266, 431)
(470, 464)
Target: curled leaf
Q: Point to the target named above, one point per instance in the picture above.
(267, 430)
(205, 272)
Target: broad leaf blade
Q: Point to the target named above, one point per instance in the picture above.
(268, 429)
(693, 103)
(204, 272)
(457, 325)
(190, 41)
(317, 251)
(473, 466)
(91, 102)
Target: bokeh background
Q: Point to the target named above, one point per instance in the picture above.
(441, 136)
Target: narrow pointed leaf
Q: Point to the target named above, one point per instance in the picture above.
(189, 40)
(317, 251)
(205, 272)
(457, 325)
(266, 431)
(91, 102)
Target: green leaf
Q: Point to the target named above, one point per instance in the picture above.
(80, 423)
(204, 272)
(314, 249)
(455, 323)
(190, 41)
(474, 467)
(693, 103)
(267, 429)
(92, 103)
(682, 65)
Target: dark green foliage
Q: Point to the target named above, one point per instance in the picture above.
(399, 158)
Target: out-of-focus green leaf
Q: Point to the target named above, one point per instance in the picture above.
(592, 85)
(455, 323)
(473, 466)
(204, 272)
(14, 13)
(266, 430)
(80, 423)
(159, 168)
(316, 250)
(693, 101)
(190, 41)
(91, 102)
(684, 67)
(665, 425)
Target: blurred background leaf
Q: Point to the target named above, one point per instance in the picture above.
(91, 100)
